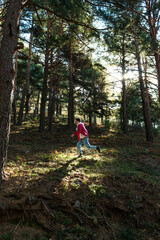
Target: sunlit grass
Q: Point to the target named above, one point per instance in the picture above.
(119, 176)
(35, 155)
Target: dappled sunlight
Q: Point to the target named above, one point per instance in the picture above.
(88, 70)
(45, 174)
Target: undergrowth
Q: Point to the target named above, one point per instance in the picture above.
(101, 196)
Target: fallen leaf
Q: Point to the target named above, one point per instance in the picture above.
(111, 150)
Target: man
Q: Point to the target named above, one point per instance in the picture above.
(82, 134)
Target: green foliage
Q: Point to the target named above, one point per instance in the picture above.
(134, 103)
(128, 234)
(7, 236)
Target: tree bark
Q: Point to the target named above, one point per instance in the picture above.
(146, 79)
(7, 74)
(145, 102)
(157, 59)
(90, 119)
(71, 91)
(26, 87)
(124, 100)
(44, 90)
(51, 89)
(28, 95)
(14, 111)
(57, 106)
(52, 98)
(153, 19)
(36, 110)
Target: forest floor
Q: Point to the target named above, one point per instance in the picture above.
(50, 194)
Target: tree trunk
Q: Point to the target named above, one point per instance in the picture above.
(44, 90)
(7, 74)
(124, 100)
(157, 59)
(54, 87)
(53, 95)
(60, 106)
(90, 119)
(145, 102)
(36, 110)
(57, 107)
(71, 92)
(51, 90)
(28, 95)
(102, 121)
(14, 111)
(145, 79)
(26, 87)
(152, 20)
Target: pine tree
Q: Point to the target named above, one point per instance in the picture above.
(26, 86)
(7, 74)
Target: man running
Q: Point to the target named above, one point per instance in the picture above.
(82, 134)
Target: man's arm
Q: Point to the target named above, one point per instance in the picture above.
(78, 131)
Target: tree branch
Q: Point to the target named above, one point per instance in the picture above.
(66, 19)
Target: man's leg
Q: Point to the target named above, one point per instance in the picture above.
(87, 144)
(79, 144)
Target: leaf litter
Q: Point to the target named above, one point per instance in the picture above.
(50, 194)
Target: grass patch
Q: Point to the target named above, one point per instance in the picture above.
(109, 186)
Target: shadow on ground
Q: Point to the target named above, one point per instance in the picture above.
(50, 194)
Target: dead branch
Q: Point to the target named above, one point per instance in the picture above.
(47, 209)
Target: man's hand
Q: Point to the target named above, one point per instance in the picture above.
(72, 135)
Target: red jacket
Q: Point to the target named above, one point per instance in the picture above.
(81, 130)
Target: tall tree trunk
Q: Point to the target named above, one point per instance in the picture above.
(145, 102)
(90, 118)
(153, 19)
(60, 105)
(145, 78)
(26, 86)
(157, 59)
(14, 111)
(45, 78)
(124, 100)
(36, 110)
(54, 87)
(28, 95)
(102, 114)
(71, 91)
(7, 74)
(53, 94)
(51, 87)
(57, 106)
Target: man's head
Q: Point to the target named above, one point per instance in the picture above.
(77, 120)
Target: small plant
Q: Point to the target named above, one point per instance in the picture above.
(97, 189)
(67, 221)
(77, 229)
(128, 234)
(61, 235)
(26, 235)
(7, 236)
